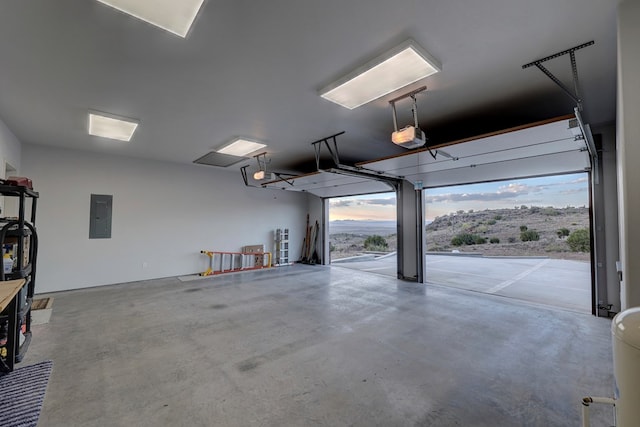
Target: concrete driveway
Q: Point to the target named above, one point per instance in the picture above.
(559, 283)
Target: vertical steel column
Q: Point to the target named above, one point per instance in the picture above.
(420, 253)
(326, 240)
(399, 228)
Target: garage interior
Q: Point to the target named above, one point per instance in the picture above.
(138, 338)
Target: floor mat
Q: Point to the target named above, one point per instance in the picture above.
(22, 394)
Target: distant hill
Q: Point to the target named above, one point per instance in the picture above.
(365, 227)
(347, 237)
(501, 225)
(504, 225)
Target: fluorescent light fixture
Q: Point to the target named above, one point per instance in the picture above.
(241, 147)
(175, 16)
(111, 127)
(409, 137)
(393, 70)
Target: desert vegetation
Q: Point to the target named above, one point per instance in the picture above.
(522, 231)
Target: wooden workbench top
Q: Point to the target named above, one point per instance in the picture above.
(8, 290)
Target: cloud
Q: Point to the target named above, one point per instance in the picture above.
(517, 189)
(509, 191)
(381, 202)
(467, 197)
(574, 191)
(341, 203)
(362, 202)
(579, 180)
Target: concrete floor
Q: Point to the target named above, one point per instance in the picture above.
(313, 345)
(556, 282)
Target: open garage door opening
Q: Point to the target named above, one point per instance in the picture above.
(363, 232)
(527, 239)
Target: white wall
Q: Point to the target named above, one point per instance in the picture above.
(10, 151)
(628, 149)
(10, 148)
(163, 215)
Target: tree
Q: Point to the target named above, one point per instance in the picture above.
(579, 240)
(375, 242)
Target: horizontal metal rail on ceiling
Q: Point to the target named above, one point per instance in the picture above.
(338, 180)
(573, 94)
(331, 145)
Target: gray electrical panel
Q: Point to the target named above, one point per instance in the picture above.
(100, 216)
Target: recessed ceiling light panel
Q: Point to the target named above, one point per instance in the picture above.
(110, 127)
(241, 147)
(218, 159)
(175, 16)
(393, 70)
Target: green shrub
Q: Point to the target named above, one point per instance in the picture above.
(497, 217)
(479, 240)
(468, 239)
(375, 242)
(563, 232)
(523, 228)
(491, 222)
(579, 240)
(529, 236)
(462, 239)
(494, 240)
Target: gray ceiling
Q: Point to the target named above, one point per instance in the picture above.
(253, 69)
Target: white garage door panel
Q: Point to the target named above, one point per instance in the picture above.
(329, 184)
(551, 164)
(541, 149)
(424, 162)
(546, 133)
(531, 152)
(354, 189)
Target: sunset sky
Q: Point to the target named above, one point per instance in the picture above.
(557, 191)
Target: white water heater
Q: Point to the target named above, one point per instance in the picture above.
(626, 366)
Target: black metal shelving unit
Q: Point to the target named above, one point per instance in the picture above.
(21, 234)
